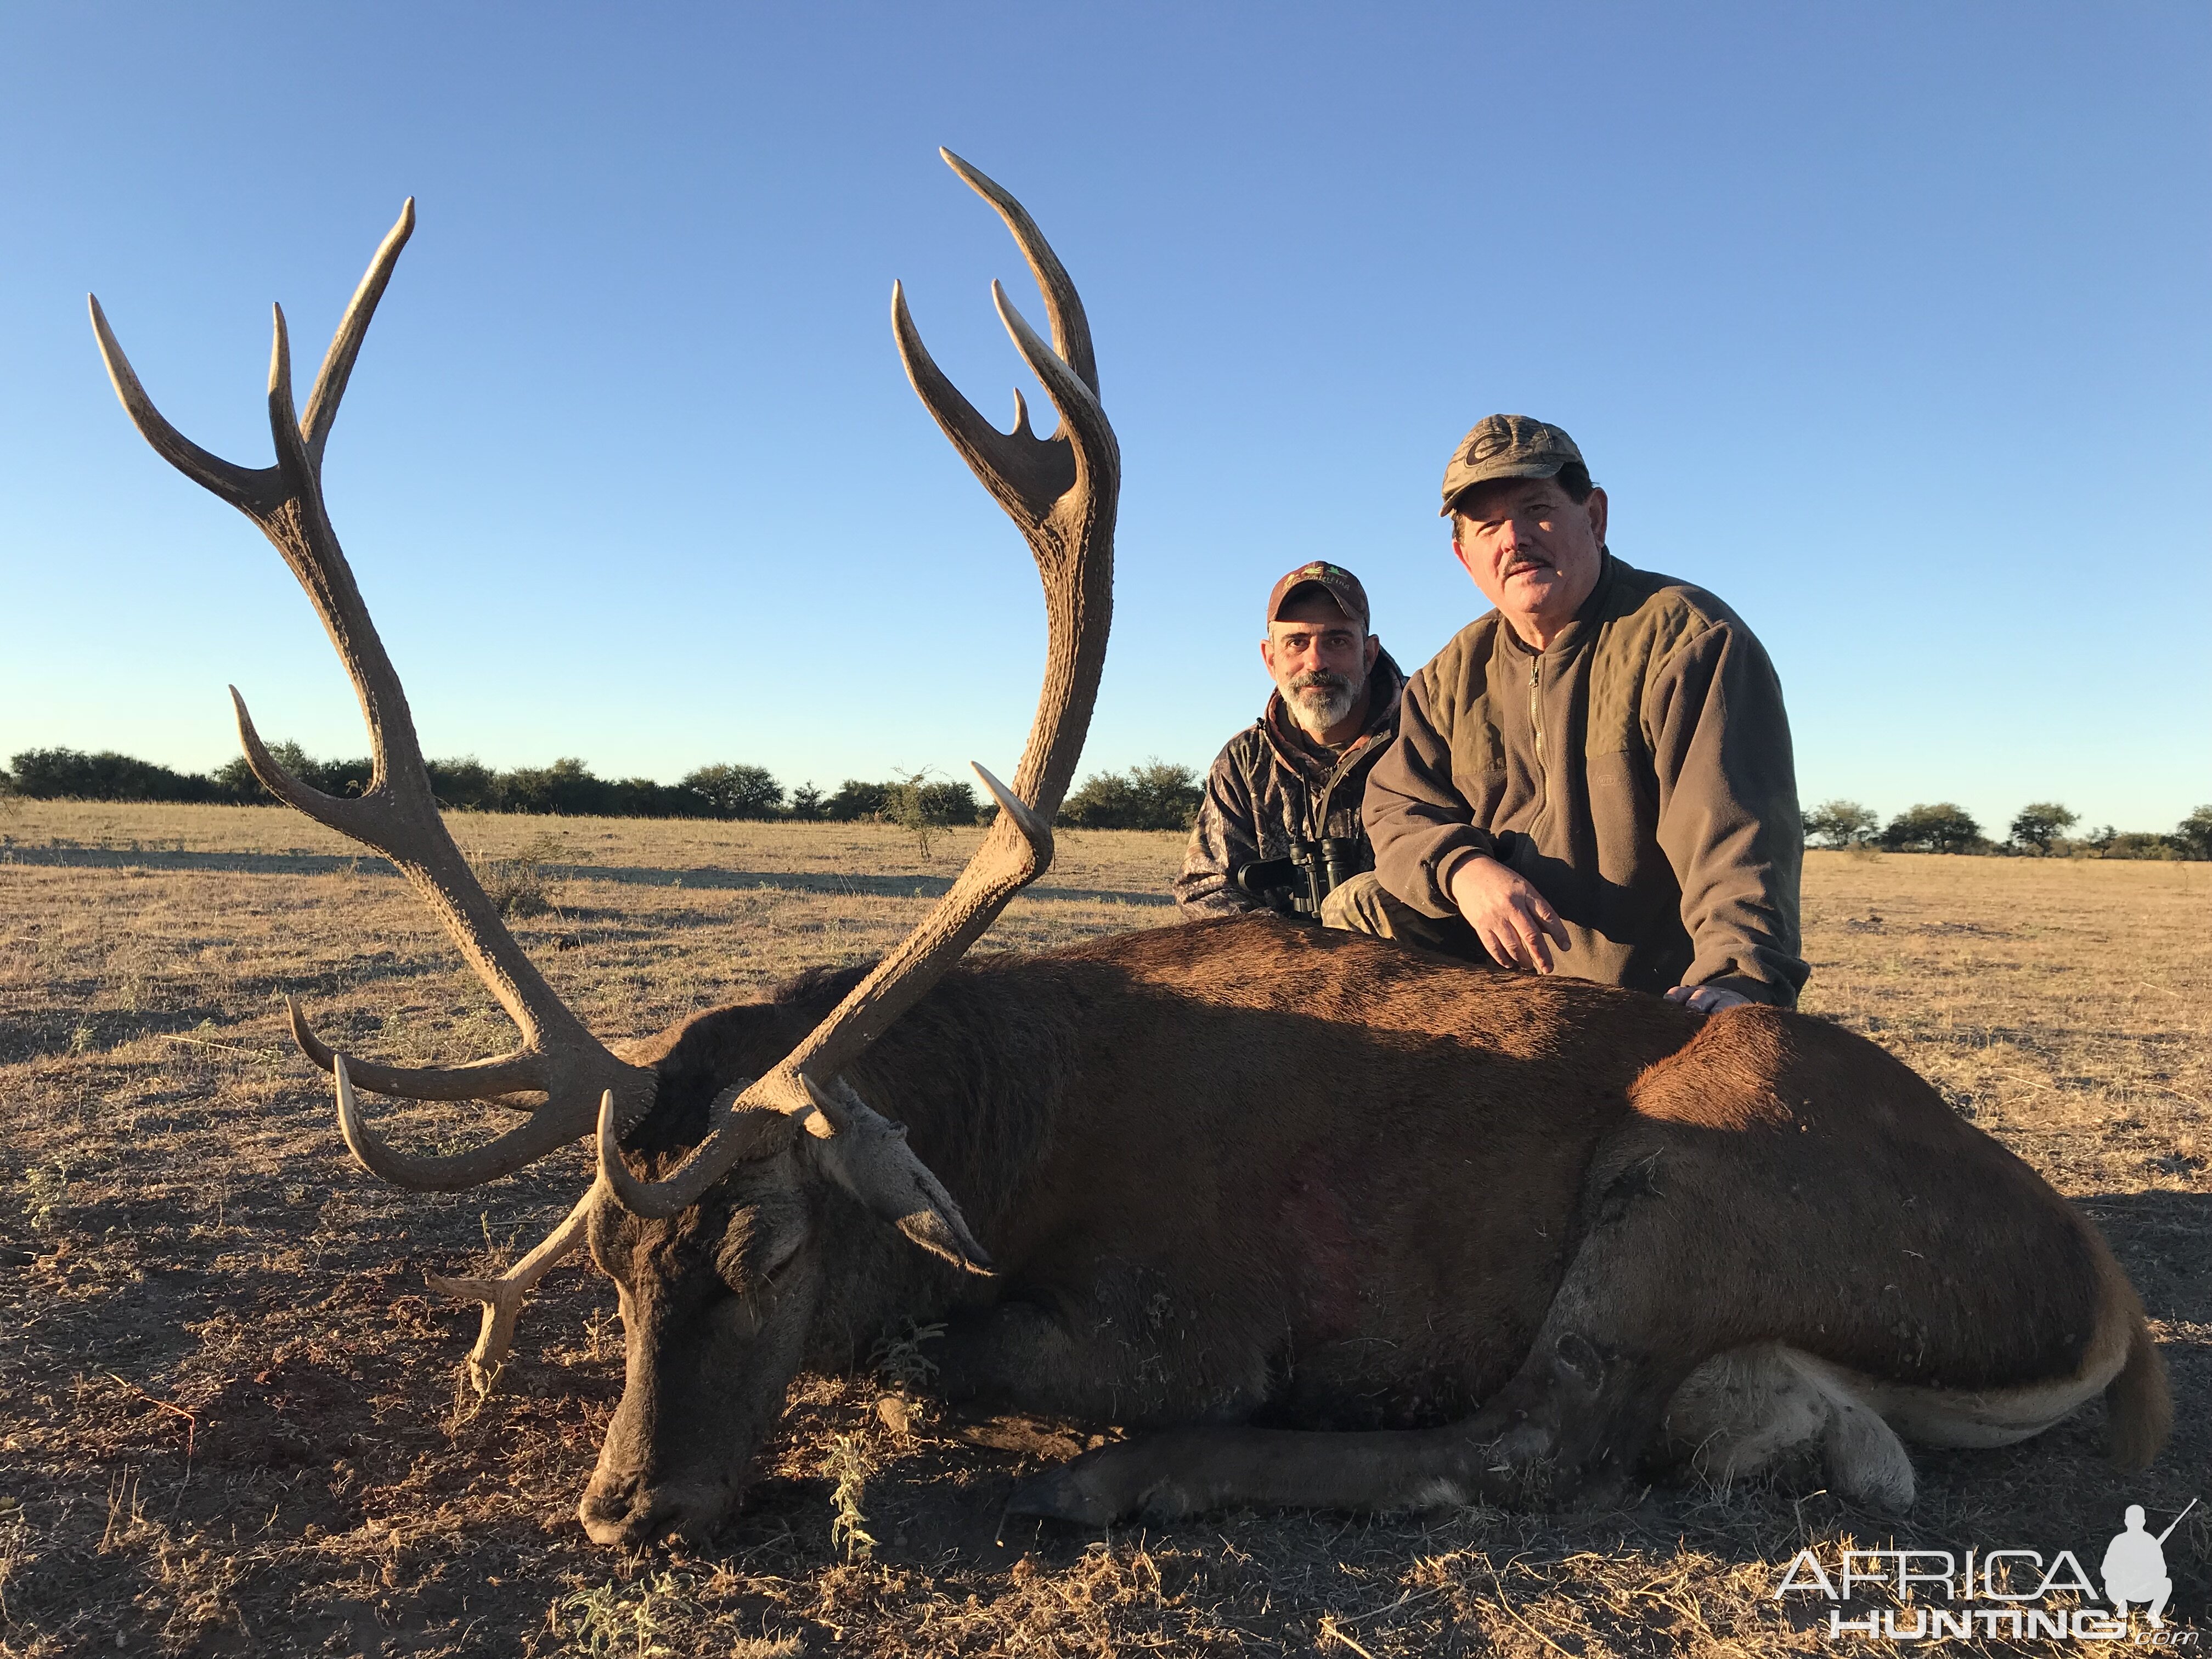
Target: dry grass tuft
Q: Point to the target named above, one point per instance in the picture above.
(228, 1417)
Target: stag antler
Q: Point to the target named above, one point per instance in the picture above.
(1062, 492)
(398, 816)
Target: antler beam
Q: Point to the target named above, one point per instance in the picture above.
(1062, 492)
(399, 814)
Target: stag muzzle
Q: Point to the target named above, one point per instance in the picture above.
(714, 1322)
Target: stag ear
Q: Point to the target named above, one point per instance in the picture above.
(868, 1157)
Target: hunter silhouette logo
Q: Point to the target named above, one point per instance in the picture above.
(1997, 1592)
(2135, 1567)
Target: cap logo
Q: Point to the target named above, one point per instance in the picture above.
(1487, 444)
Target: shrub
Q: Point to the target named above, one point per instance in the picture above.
(71, 775)
(2110, 843)
(1158, 795)
(2040, 824)
(234, 780)
(855, 799)
(1944, 827)
(1841, 824)
(466, 784)
(736, 792)
(807, 803)
(922, 808)
(520, 885)
(949, 803)
(2192, 838)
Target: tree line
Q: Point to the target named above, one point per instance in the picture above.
(2039, 830)
(1158, 795)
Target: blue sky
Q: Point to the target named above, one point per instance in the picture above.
(1885, 322)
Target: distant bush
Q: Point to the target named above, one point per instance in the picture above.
(855, 799)
(467, 784)
(342, 778)
(2137, 844)
(736, 792)
(1943, 827)
(1158, 795)
(2106, 842)
(921, 808)
(567, 786)
(2192, 838)
(71, 775)
(1836, 824)
(2037, 825)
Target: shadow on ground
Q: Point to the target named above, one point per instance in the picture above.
(706, 878)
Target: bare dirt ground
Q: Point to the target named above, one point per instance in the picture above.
(233, 1418)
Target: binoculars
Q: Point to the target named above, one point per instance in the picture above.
(1295, 886)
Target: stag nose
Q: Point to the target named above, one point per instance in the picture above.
(627, 1513)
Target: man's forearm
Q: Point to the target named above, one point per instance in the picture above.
(1414, 815)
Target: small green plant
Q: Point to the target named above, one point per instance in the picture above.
(899, 1361)
(847, 1464)
(43, 1186)
(605, 1621)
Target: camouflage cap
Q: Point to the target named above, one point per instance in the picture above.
(1507, 447)
(1339, 583)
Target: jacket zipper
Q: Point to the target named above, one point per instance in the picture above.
(1536, 725)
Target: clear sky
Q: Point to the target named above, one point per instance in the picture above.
(1885, 322)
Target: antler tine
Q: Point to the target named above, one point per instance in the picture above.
(244, 488)
(491, 1079)
(1023, 472)
(352, 330)
(1062, 492)
(549, 1128)
(399, 814)
(503, 1296)
(1063, 307)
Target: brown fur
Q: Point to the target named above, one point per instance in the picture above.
(1244, 1172)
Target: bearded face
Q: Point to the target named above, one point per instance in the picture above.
(1319, 698)
(1319, 659)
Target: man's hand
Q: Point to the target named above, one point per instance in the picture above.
(1514, 922)
(1706, 999)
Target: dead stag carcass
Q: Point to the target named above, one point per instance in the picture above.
(1348, 1226)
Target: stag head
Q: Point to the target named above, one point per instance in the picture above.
(763, 1162)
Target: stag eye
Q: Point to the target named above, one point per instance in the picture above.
(779, 1251)
(754, 1251)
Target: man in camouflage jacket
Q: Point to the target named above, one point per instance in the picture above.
(1298, 773)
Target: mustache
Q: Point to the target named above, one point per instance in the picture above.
(1321, 679)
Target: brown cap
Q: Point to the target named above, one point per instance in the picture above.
(1339, 584)
(1507, 447)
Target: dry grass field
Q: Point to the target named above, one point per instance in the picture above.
(233, 1418)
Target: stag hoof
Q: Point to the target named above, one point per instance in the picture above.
(1099, 1488)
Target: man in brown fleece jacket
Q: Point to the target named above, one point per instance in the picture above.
(1595, 776)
